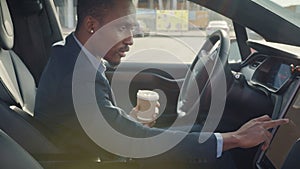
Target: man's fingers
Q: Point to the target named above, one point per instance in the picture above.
(263, 118)
(268, 137)
(264, 146)
(157, 104)
(274, 123)
(155, 116)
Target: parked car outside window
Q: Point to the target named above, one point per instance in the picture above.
(216, 25)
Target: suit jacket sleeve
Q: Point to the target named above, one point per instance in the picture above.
(188, 149)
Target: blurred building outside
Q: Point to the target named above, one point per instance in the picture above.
(159, 15)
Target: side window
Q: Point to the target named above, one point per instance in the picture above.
(234, 53)
(66, 12)
(166, 31)
(252, 35)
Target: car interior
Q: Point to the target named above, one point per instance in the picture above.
(266, 81)
(12, 152)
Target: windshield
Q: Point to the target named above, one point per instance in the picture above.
(287, 9)
(293, 6)
(286, 3)
(167, 32)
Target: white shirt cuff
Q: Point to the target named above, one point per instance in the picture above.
(219, 144)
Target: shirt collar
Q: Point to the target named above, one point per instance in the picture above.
(92, 58)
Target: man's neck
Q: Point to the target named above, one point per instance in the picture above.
(81, 36)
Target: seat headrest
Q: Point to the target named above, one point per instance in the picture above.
(26, 7)
(6, 27)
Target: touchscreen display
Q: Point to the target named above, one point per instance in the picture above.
(279, 75)
(272, 74)
(286, 135)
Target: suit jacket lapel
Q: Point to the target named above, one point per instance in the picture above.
(71, 42)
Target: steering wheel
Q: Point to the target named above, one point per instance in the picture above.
(210, 63)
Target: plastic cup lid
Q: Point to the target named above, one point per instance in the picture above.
(147, 95)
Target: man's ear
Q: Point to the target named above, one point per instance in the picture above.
(90, 24)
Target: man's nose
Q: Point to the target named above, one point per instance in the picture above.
(128, 40)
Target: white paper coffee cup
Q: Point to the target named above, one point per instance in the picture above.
(147, 105)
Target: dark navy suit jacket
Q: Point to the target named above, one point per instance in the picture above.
(54, 107)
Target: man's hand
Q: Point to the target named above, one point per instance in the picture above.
(252, 133)
(135, 111)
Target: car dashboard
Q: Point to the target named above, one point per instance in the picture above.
(273, 69)
(270, 68)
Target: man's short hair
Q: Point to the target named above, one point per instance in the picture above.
(94, 8)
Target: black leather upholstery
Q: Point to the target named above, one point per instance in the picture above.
(8, 77)
(36, 29)
(5, 96)
(28, 7)
(14, 156)
(17, 98)
(14, 74)
(17, 89)
(6, 27)
(25, 130)
(26, 84)
(8, 80)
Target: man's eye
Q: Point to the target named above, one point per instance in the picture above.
(123, 28)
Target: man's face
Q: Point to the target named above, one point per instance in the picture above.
(114, 34)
